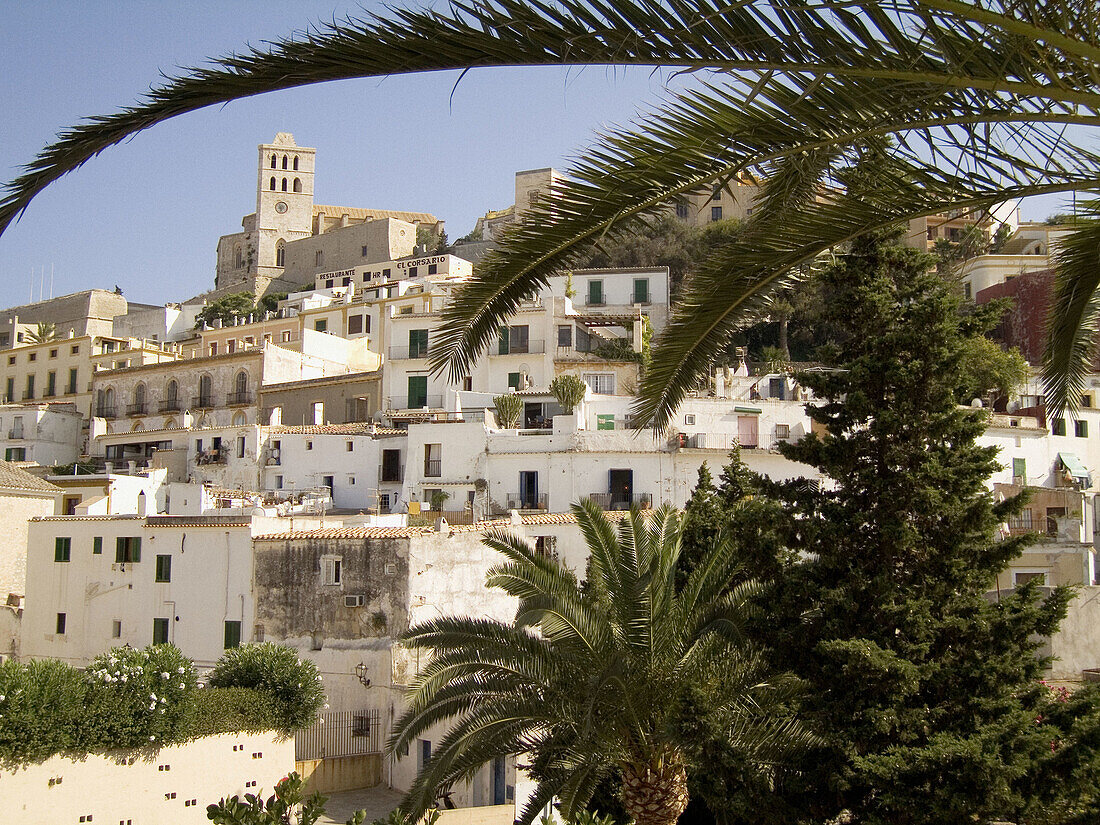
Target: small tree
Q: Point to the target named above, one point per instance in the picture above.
(275, 669)
(225, 309)
(438, 499)
(509, 409)
(569, 390)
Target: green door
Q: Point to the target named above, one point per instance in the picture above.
(418, 391)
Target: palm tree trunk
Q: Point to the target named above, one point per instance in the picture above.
(656, 793)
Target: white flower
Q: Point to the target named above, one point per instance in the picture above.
(164, 676)
(152, 739)
(182, 686)
(201, 685)
(180, 671)
(123, 677)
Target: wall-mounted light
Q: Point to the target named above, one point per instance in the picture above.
(361, 674)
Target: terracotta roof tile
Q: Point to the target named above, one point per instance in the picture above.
(13, 477)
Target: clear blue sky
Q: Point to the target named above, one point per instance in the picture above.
(146, 215)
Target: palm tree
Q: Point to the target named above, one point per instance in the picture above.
(588, 680)
(44, 331)
(858, 114)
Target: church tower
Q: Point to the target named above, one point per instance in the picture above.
(284, 202)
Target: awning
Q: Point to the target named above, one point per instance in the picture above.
(1075, 468)
(749, 410)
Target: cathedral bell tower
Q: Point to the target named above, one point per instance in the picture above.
(284, 200)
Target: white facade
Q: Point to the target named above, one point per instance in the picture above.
(47, 434)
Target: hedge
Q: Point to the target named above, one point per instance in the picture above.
(130, 698)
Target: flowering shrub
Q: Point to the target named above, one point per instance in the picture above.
(138, 697)
(276, 670)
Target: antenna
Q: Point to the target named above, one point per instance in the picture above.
(51, 281)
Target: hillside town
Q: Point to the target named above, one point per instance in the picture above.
(294, 471)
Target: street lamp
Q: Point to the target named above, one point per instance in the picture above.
(361, 674)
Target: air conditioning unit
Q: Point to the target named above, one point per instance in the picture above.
(355, 601)
(120, 566)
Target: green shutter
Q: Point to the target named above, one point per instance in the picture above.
(595, 292)
(160, 631)
(232, 634)
(1019, 468)
(120, 550)
(513, 380)
(502, 341)
(164, 568)
(135, 549)
(61, 545)
(97, 546)
(418, 391)
(641, 290)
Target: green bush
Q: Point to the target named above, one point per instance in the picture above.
(137, 698)
(41, 710)
(276, 670)
(229, 710)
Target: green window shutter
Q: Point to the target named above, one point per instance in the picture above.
(1019, 468)
(61, 547)
(232, 634)
(513, 380)
(641, 290)
(595, 292)
(120, 550)
(97, 546)
(135, 549)
(418, 391)
(502, 341)
(160, 631)
(164, 568)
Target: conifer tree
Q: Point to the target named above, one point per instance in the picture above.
(925, 689)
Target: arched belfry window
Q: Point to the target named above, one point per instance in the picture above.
(280, 254)
(238, 258)
(297, 185)
(295, 163)
(272, 161)
(284, 184)
(273, 184)
(284, 161)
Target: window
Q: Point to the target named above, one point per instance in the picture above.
(565, 335)
(70, 388)
(1058, 426)
(332, 568)
(641, 291)
(127, 549)
(271, 184)
(384, 502)
(468, 384)
(297, 185)
(97, 546)
(514, 380)
(280, 254)
(62, 546)
(967, 290)
(1081, 429)
(9, 391)
(423, 753)
(15, 454)
(232, 634)
(418, 343)
(213, 347)
(309, 445)
(164, 568)
(240, 446)
(60, 627)
(284, 184)
(1019, 468)
(231, 347)
(364, 254)
(1024, 576)
(1086, 400)
(433, 464)
(160, 631)
(716, 213)
(412, 271)
(682, 211)
(595, 293)
(716, 195)
(433, 269)
(318, 413)
(689, 420)
(33, 356)
(116, 629)
(278, 485)
(206, 391)
(355, 324)
(319, 257)
(418, 391)
(350, 446)
(53, 353)
(782, 432)
(601, 383)
(30, 388)
(518, 339)
(295, 163)
(391, 466)
(321, 325)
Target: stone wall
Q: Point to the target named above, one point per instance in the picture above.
(171, 786)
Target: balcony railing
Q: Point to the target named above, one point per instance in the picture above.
(237, 399)
(136, 409)
(49, 393)
(395, 475)
(15, 435)
(516, 501)
(212, 457)
(202, 402)
(400, 402)
(408, 353)
(536, 347)
(105, 412)
(172, 405)
(619, 501)
(28, 396)
(433, 468)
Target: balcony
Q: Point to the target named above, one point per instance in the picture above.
(202, 402)
(136, 409)
(238, 399)
(401, 402)
(105, 412)
(28, 396)
(614, 501)
(49, 393)
(15, 435)
(171, 405)
(639, 299)
(391, 475)
(433, 468)
(219, 456)
(522, 502)
(536, 347)
(408, 353)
